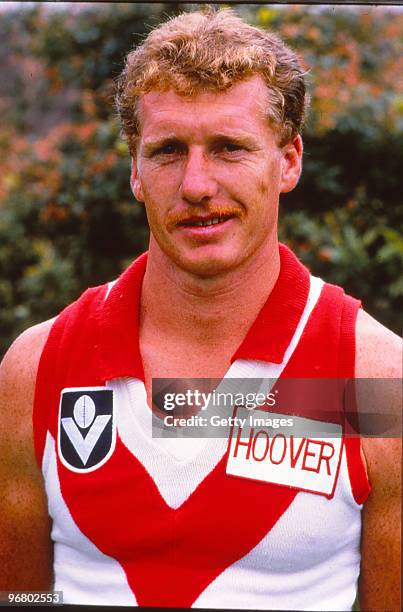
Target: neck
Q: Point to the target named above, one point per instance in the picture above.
(198, 310)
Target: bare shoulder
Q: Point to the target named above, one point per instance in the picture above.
(379, 355)
(22, 358)
(17, 382)
(25, 551)
(379, 350)
(17, 385)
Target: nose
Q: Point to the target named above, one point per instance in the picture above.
(198, 184)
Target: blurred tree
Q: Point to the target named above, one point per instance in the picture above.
(345, 217)
(67, 217)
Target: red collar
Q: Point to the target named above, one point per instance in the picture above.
(266, 340)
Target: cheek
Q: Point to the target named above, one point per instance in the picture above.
(158, 201)
(160, 185)
(272, 175)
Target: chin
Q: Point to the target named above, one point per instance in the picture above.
(209, 266)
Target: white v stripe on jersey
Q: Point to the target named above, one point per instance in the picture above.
(176, 479)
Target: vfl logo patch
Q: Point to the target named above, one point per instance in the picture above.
(292, 458)
(87, 433)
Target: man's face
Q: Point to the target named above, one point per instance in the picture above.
(210, 173)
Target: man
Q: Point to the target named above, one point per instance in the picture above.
(212, 109)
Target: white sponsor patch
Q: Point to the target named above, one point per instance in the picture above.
(296, 456)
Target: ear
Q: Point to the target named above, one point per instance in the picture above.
(135, 183)
(291, 164)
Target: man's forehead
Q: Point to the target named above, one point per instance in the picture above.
(243, 103)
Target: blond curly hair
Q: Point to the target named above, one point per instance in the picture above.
(212, 50)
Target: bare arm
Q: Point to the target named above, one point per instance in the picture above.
(379, 355)
(25, 548)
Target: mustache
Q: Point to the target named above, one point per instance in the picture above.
(176, 218)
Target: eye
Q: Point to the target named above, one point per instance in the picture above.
(170, 148)
(228, 148)
(231, 147)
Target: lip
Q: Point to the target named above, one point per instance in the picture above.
(209, 217)
(205, 231)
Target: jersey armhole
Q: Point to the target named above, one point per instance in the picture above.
(44, 376)
(357, 471)
(359, 482)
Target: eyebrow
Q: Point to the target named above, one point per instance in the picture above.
(237, 138)
(218, 137)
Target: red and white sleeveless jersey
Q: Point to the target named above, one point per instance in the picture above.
(158, 522)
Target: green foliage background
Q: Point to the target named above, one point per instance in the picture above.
(67, 217)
